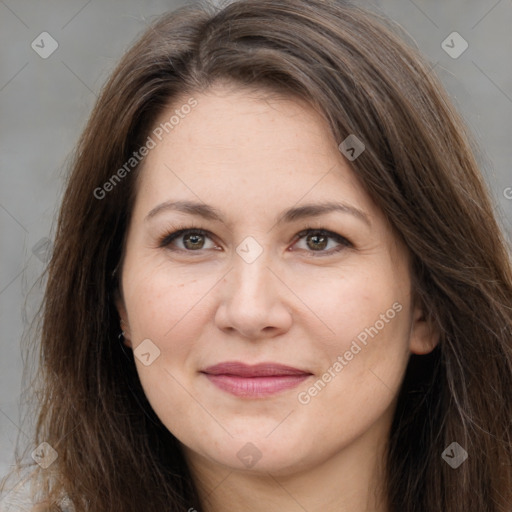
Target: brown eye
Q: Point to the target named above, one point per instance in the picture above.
(190, 240)
(193, 241)
(317, 242)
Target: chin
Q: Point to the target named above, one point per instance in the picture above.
(255, 452)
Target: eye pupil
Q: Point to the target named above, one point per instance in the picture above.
(320, 240)
(196, 239)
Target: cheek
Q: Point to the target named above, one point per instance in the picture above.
(171, 319)
(363, 370)
(169, 314)
(350, 304)
(162, 305)
(368, 348)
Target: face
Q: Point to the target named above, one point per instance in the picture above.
(267, 301)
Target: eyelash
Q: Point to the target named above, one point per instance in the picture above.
(166, 240)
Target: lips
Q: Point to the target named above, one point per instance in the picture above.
(254, 381)
(237, 369)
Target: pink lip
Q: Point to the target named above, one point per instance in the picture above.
(254, 381)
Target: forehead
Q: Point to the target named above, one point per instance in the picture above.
(245, 137)
(231, 119)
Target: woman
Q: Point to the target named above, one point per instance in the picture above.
(277, 281)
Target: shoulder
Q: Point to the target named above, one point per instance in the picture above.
(16, 501)
(21, 493)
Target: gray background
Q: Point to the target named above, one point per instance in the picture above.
(44, 104)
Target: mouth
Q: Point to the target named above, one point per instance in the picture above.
(254, 381)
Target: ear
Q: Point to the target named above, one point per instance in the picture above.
(125, 326)
(424, 336)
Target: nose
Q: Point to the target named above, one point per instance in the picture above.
(253, 301)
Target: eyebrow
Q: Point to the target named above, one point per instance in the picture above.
(293, 214)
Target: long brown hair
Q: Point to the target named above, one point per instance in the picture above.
(356, 69)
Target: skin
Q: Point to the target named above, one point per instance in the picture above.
(299, 303)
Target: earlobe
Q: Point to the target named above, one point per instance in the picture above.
(126, 334)
(424, 336)
(124, 325)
